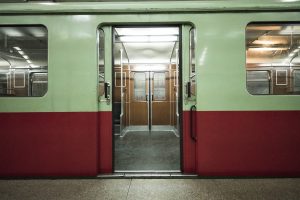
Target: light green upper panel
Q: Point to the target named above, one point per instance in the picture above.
(150, 6)
(220, 60)
(72, 68)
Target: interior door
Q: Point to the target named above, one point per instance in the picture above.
(150, 99)
(139, 96)
(161, 107)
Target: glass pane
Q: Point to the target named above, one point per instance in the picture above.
(297, 81)
(258, 82)
(192, 63)
(274, 49)
(39, 82)
(4, 86)
(159, 86)
(101, 61)
(23, 51)
(139, 86)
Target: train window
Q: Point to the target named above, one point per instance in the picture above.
(258, 82)
(23, 52)
(101, 79)
(39, 84)
(296, 84)
(272, 58)
(139, 86)
(159, 88)
(192, 63)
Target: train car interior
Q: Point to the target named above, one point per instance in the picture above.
(23, 61)
(146, 115)
(273, 61)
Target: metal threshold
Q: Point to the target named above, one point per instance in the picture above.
(148, 174)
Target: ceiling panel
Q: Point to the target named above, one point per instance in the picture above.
(148, 45)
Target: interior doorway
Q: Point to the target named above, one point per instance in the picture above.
(146, 95)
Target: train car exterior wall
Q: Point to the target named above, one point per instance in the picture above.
(68, 133)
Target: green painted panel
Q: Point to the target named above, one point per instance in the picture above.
(72, 66)
(220, 61)
(221, 64)
(150, 6)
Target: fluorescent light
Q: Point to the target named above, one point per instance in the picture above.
(21, 52)
(34, 66)
(17, 48)
(268, 49)
(264, 42)
(163, 38)
(29, 61)
(149, 38)
(148, 31)
(26, 57)
(289, 0)
(134, 38)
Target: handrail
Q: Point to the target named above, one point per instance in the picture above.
(192, 123)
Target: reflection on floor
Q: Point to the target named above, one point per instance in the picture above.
(144, 150)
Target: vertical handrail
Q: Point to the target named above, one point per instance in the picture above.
(121, 92)
(192, 123)
(177, 89)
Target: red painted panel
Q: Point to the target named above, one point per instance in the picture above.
(253, 143)
(105, 142)
(48, 144)
(189, 146)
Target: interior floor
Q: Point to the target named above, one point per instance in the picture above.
(145, 128)
(147, 151)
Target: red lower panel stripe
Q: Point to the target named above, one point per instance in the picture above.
(233, 143)
(105, 143)
(253, 143)
(48, 144)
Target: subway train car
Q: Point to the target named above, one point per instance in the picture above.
(207, 88)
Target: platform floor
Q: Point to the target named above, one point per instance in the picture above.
(139, 189)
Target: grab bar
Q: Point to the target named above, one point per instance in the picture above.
(192, 123)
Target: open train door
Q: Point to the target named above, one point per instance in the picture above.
(124, 84)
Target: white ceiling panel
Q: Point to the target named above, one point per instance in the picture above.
(149, 52)
(148, 45)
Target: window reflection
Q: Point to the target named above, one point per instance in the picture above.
(23, 54)
(139, 86)
(101, 62)
(272, 50)
(159, 86)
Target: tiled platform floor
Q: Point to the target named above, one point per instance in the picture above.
(154, 189)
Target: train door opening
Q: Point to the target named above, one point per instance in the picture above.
(146, 95)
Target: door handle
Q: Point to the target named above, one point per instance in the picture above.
(107, 90)
(188, 89)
